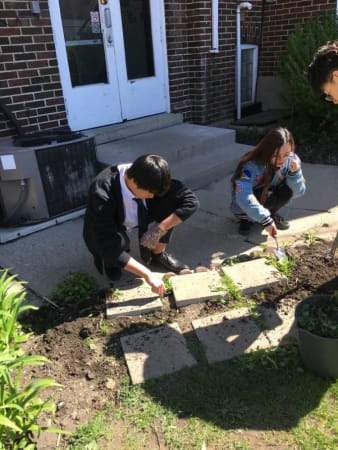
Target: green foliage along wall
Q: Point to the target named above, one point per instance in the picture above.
(314, 115)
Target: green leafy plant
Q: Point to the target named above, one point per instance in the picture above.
(20, 406)
(312, 120)
(117, 293)
(284, 357)
(168, 285)
(309, 238)
(90, 343)
(320, 316)
(75, 287)
(104, 327)
(284, 266)
(233, 291)
(257, 316)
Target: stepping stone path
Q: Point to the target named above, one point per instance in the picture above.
(146, 359)
(196, 287)
(132, 299)
(229, 334)
(163, 350)
(253, 276)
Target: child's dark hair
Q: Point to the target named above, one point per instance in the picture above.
(263, 152)
(151, 173)
(324, 62)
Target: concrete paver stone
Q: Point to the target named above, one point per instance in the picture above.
(132, 298)
(229, 334)
(196, 287)
(153, 353)
(279, 323)
(253, 276)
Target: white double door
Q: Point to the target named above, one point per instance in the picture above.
(112, 59)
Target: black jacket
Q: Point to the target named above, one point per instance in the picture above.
(105, 215)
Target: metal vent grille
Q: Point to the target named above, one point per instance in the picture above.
(66, 173)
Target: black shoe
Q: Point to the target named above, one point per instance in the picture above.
(244, 227)
(280, 222)
(168, 261)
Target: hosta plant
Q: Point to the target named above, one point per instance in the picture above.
(20, 404)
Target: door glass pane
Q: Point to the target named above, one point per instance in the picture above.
(136, 22)
(84, 44)
(247, 75)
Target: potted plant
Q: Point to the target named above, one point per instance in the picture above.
(317, 324)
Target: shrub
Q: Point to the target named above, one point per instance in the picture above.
(313, 118)
(76, 287)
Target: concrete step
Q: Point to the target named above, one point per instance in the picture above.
(203, 169)
(197, 154)
(135, 127)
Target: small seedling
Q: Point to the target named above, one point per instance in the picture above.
(257, 317)
(117, 293)
(168, 285)
(90, 344)
(104, 327)
(284, 266)
(231, 261)
(233, 291)
(309, 238)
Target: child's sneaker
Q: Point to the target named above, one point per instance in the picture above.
(280, 222)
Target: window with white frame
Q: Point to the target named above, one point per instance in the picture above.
(249, 58)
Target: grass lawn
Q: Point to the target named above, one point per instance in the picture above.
(258, 401)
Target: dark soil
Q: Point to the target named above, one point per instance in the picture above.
(79, 349)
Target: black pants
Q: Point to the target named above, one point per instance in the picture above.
(277, 198)
(160, 210)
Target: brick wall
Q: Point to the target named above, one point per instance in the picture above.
(29, 77)
(279, 20)
(201, 83)
(204, 89)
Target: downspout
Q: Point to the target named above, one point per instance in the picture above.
(247, 5)
(214, 27)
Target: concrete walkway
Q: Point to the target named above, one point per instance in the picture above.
(45, 257)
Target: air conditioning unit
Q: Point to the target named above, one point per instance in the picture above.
(41, 182)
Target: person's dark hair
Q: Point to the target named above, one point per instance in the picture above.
(324, 62)
(263, 152)
(151, 173)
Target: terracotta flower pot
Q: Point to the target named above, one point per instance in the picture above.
(319, 354)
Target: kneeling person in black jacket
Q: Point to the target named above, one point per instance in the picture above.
(140, 194)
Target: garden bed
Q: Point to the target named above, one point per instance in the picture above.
(85, 351)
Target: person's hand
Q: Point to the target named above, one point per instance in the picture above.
(294, 164)
(151, 237)
(271, 229)
(156, 284)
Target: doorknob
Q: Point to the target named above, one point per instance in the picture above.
(107, 18)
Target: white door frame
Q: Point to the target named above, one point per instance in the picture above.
(95, 105)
